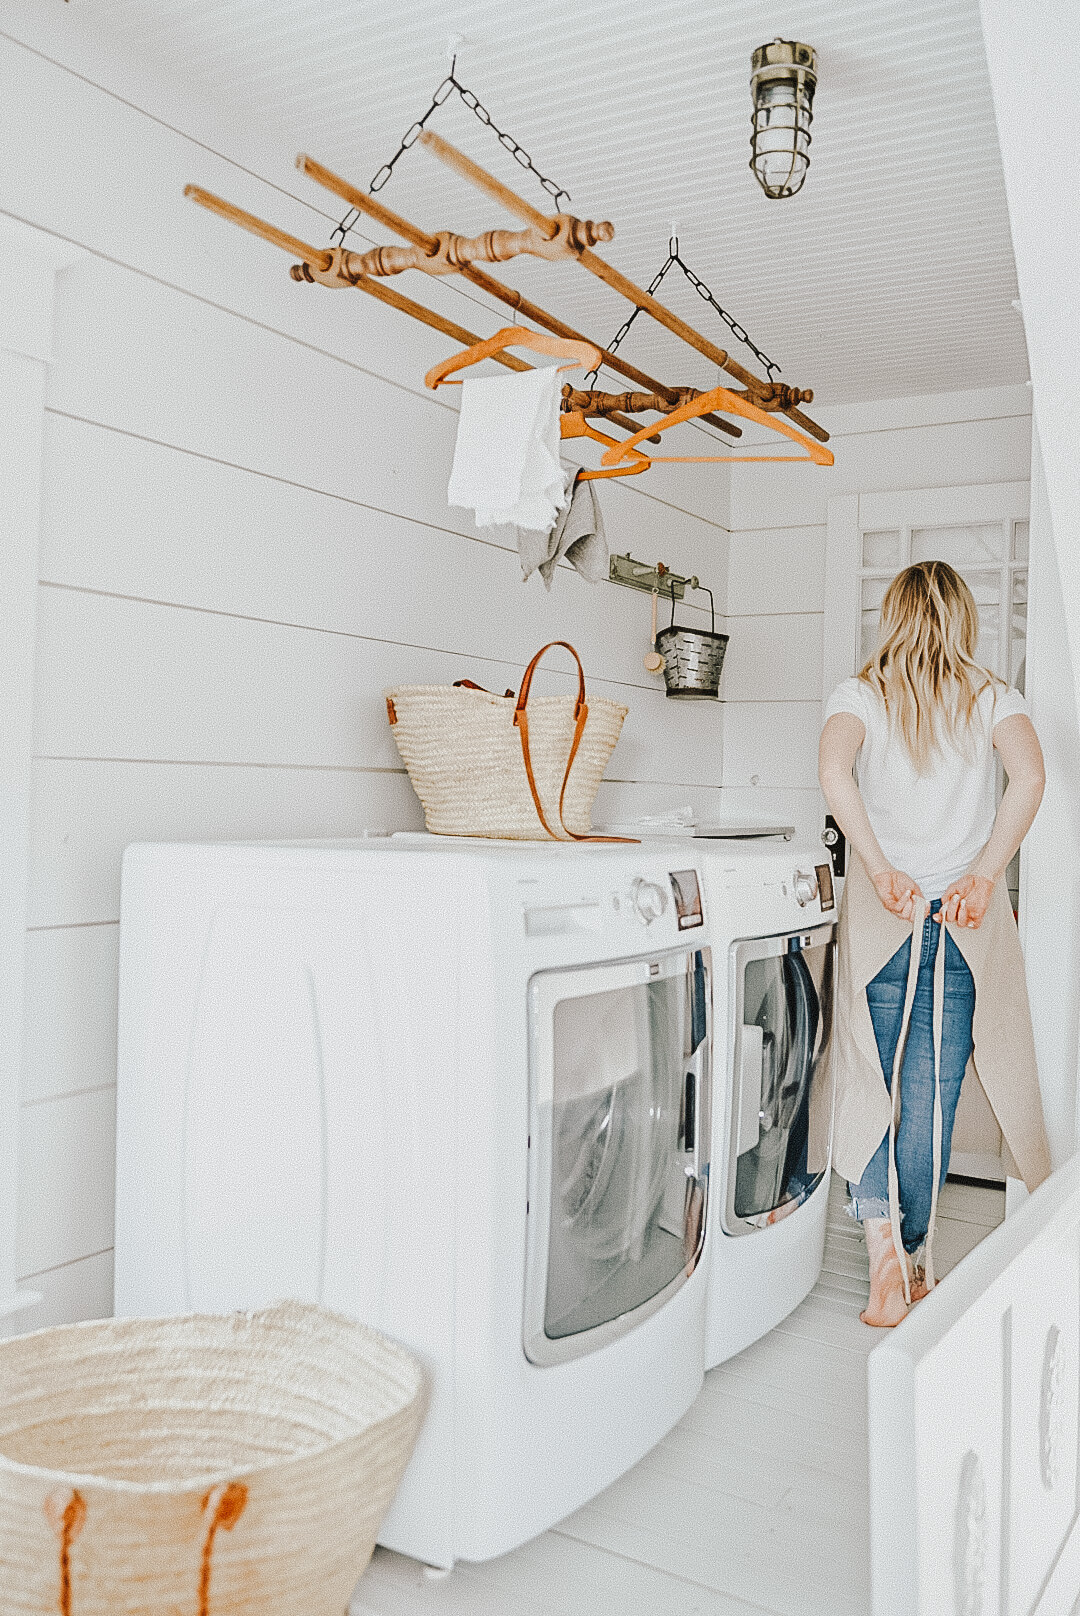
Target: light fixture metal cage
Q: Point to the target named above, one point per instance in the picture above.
(783, 79)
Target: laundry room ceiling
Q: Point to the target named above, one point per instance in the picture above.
(890, 274)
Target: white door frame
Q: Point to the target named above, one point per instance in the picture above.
(30, 261)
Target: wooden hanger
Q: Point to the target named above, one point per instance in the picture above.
(720, 399)
(515, 336)
(572, 424)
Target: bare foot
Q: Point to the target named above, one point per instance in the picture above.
(887, 1305)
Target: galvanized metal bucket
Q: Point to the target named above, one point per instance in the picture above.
(693, 657)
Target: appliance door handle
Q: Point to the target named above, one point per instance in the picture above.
(695, 1113)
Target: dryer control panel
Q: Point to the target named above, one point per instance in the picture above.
(656, 904)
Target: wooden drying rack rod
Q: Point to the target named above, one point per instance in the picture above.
(320, 261)
(429, 245)
(771, 396)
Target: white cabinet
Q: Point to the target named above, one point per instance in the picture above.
(973, 1425)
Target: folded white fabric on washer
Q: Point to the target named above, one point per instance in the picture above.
(506, 463)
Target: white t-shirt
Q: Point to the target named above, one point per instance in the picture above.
(930, 826)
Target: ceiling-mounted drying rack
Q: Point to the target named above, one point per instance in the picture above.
(770, 397)
(560, 236)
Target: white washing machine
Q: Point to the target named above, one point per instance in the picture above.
(772, 918)
(459, 1090)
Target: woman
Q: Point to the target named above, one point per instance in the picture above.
(922, 722)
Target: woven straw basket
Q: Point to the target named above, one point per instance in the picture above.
(200, 1466)
(505, 766)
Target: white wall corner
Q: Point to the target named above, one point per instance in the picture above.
(30, 261)
(1033, 55)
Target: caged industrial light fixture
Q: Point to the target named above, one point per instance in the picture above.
(782, 84)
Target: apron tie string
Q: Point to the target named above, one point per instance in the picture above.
(918, 920)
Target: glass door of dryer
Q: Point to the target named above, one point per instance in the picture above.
(781, 1111)
(619, 1145)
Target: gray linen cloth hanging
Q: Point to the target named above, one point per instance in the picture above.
(577, 536)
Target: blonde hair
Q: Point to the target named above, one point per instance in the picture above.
(924, 667)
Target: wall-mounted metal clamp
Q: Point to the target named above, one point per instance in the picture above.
(623, 569)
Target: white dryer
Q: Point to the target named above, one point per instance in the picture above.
(461, 1091)
(772, 916)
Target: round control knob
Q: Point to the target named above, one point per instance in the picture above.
(806, 888)
(650, 900)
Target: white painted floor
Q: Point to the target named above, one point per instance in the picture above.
(755, 1505)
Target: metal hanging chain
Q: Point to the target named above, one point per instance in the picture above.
(449, 85)
(593, 375)
(738, 331)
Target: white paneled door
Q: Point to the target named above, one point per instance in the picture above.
(973, 1426)
(983, 532)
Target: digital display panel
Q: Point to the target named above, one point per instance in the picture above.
(825, 886)
(687, 894)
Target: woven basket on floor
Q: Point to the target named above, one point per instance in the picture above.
(505, 766)
(200, 1466)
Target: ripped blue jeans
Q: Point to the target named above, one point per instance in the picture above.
(915, 1134)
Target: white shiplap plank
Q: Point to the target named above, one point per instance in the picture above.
(933, 456)
(86, 813)
(82, 1289)
(773, 658)
(134, 518)
(776, 570)
(70, 1027)
(126, 679)
(239, 392)
(66, 1171)
(771, 744)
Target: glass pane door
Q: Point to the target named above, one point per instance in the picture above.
(619, 1146)
(783, 1010)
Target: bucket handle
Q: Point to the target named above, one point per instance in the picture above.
(712, 604)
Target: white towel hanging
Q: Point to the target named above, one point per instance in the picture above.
(506, 463)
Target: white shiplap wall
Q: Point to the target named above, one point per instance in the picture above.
(776, 570)
(245, 536)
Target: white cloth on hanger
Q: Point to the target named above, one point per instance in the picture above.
(506, 463)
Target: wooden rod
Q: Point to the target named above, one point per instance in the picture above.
(318, 257)
(378, 211)
(484, 181)
(606, 272)
(396, 300)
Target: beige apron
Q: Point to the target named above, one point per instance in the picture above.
(1003, 1061)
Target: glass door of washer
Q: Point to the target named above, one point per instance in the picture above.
(619, 1144)
(781, 1111)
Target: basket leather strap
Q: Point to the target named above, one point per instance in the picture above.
(581, 715)
(469, 684)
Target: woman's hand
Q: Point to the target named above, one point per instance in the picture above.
(966, 901)
(898, 892)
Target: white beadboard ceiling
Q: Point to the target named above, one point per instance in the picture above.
(890, 274)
